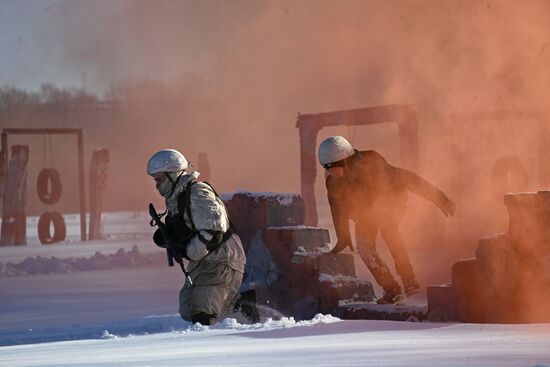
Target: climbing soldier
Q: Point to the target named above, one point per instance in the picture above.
(364, 188)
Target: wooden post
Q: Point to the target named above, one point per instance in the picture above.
(98, 179)
(4, 159)
(82, 191)
(14, 219)
(308, 136)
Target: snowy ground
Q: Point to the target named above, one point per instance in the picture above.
(125, 317)
(323, 341)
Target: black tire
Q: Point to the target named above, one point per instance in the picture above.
(59, 228)
(51, 176)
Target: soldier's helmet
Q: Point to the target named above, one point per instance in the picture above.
(166, 160)
(334, 149)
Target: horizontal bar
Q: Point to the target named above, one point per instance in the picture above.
(42, 131)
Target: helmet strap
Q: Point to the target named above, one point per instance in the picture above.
(174, 182)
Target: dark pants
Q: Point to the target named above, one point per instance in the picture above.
(366, 231)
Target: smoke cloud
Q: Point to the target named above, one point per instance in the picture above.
(244, 69)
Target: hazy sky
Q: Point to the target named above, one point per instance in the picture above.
(305, 46)
(96, 43)
(268, 60)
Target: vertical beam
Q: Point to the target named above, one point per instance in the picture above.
(82, 190)
(5, 152)
(5, 167)
(308, 137)
(97, 179)
(14, 219)
(543, 153)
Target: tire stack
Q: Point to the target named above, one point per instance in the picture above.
(49, 190)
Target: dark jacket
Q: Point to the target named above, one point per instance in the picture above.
(374, 191)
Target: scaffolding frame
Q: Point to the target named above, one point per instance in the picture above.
(80, 148)
(310, 124)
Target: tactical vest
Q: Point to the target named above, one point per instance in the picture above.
(182, 233)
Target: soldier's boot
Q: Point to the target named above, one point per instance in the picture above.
(391, 295)
(411, 287)
(247, 304)
(204, 318)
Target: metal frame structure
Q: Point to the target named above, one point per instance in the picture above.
(309, 125)
(51, 131)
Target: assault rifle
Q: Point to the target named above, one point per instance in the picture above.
(171, 252)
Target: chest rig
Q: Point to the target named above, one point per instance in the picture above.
(182, 233)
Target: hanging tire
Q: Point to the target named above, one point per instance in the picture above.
(59, 228)
(48, 186)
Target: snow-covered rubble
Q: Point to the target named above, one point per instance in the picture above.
(99, 261)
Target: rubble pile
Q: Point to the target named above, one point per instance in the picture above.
(285, 259)
(51, 265)
(508, 281)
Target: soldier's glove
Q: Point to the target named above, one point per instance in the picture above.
(447, 206)
(180, 248)
(158, 238)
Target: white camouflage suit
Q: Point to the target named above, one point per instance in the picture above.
(215, 276)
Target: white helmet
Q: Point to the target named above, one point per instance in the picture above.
(166, 160)
(334, 149)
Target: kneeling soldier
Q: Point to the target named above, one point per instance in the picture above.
(198, 226)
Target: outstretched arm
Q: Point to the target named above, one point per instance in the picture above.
(425, 189)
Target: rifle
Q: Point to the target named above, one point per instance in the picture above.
(171, 252)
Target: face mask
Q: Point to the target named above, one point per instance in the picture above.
(165, 188)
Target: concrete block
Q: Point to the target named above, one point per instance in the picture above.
(303, 240)
(251, 212)
(293, 296)
(309, 240)
(295, 244)
(469, 307)
(441, 303)
(347, 287)
(261, 268)
(343, 264)
(497, 270)
(266, 209)
(529, 216)
(510, 283)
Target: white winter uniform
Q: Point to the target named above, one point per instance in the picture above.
(217, 275)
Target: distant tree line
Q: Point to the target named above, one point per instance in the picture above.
(16, 101)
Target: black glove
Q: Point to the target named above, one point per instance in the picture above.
(158, 238)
